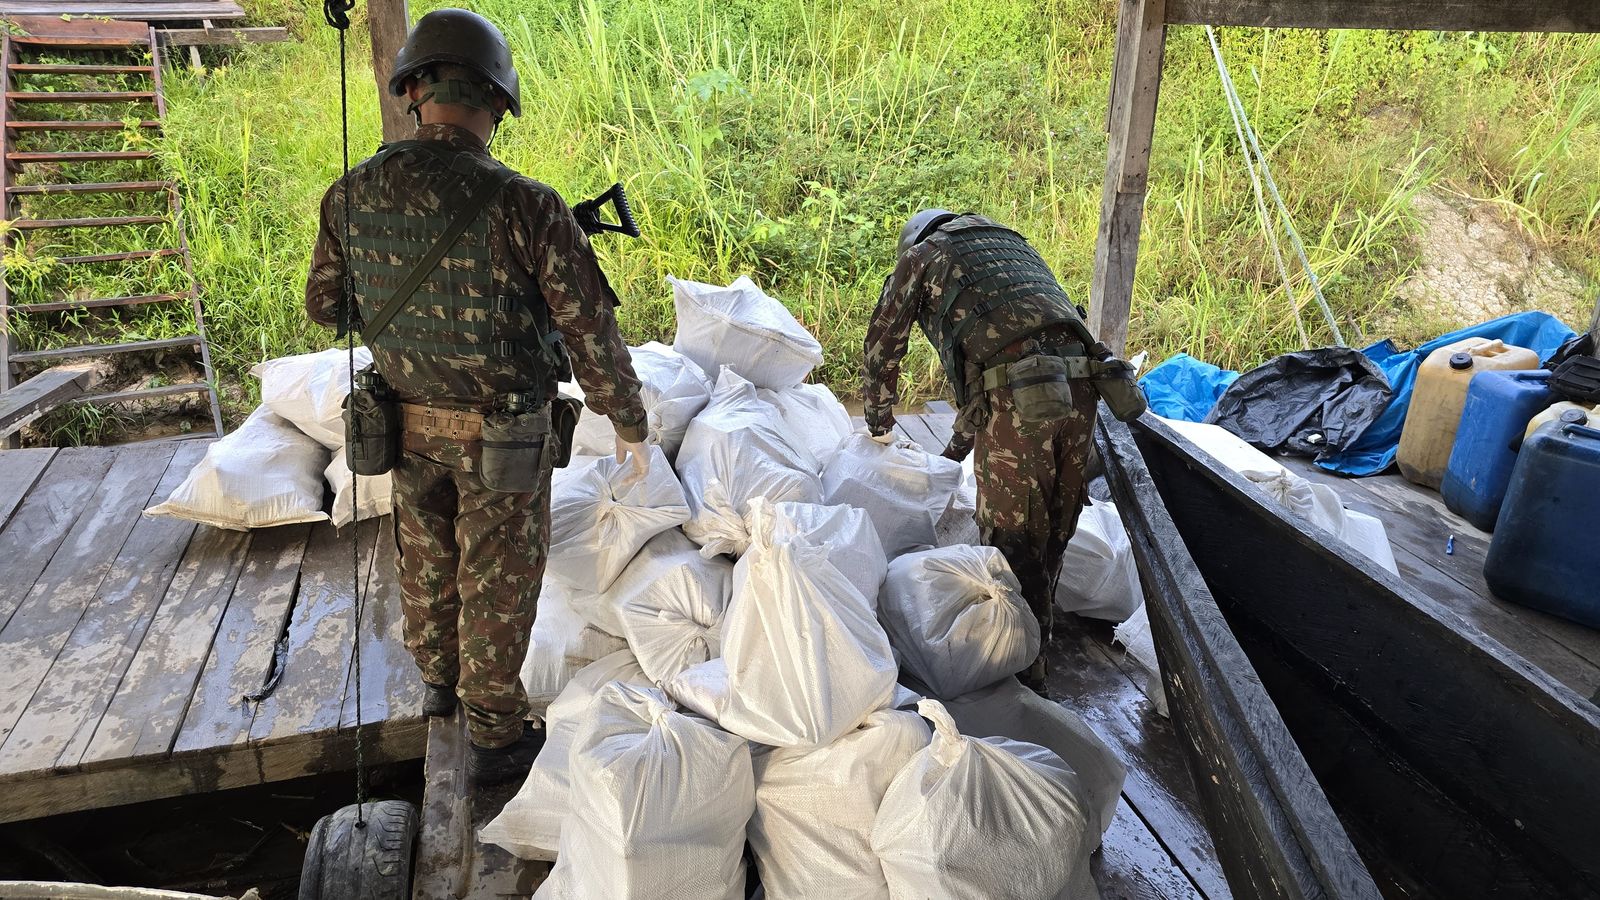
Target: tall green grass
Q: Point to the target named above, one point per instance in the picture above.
(788, 140)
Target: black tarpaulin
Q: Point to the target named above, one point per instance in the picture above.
(1310, 403)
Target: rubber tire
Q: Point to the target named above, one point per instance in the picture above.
(345, 862)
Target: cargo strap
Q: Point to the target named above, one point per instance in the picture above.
(486, 191)
(1078, 366)
(438, 422)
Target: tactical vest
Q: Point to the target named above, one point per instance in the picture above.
(1006, 293)
(465, 308)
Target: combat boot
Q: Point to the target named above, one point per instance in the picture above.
(490, 766)
(438, 699)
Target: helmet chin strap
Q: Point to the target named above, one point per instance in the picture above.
(458, 92)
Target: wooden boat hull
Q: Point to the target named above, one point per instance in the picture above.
(1457, 768)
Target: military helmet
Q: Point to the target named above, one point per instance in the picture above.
(464, 38)
(921, 225)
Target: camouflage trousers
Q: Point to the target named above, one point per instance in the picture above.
(1031, 487)
(471, 563)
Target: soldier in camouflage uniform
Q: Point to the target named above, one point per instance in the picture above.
(495, 317)
(987, 301)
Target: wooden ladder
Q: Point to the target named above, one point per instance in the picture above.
(129, 52)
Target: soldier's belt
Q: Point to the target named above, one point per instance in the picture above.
(1077, 365)
(434, 421)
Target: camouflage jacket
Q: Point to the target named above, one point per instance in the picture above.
(533, 239)
(913, 294)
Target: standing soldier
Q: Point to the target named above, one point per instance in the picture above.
(1026, 375)
(471, 283)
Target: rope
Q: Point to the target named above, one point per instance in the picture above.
(337, 15)
(1254, 158)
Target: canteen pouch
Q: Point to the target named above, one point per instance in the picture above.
(564, 414)
(512, 450)
(1041, 388)
(1120, 390)
(371, 426)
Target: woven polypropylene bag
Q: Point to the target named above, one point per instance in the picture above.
(309, 390)
(814, 415)
(846, 533)
(561, 645)
(956, 618)
(266, 473)
(669, 604)
(740, 326)
(673, 390)
(530, 824)
(659, 800)
(903, 488)
(1099, 578)
(812, 830)
(736, 450)
(599, 519)
(375, 493)
(990, 818)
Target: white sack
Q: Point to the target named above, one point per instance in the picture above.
(990, 818)
(265, 473)
(807, 660)
(1009, 710)
(956, 618)
(966, 499)
(1316, 503)
(1135, 636)
(813, 415)
(903, 488)
(562, 644)
(740, 326)
(529, 826)
(659, 804)
(702, 689)
(844, 531)
(738, 449)
(812, 829)
(669, 603)
(598, 520)
(375, 493)
(673, 389)
(1099, 576)
(309, 390)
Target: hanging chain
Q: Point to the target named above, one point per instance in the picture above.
(337, 14)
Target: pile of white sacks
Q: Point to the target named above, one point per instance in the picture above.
(760, 644)
(270, 470)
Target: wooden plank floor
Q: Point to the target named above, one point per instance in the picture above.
(127, 643)
(1420, 530)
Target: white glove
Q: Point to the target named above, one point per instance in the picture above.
(640, 466)
(887, 438)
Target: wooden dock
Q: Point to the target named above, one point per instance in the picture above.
(128, 644)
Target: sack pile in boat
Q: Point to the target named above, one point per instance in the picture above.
(761, 644)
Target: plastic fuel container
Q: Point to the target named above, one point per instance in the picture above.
(1498, 407)
(1429, 432)
(1543, 550)
(1567, 412)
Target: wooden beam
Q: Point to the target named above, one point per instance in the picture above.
(42, 393)
(181, 37)
(1135, 87)
(389, 21)
(1407, 15)
(1594, 326)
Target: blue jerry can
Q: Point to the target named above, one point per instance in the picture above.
(1543, 550)
(1497, 410)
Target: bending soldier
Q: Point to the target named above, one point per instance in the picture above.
(468, 349)
(1025, 371)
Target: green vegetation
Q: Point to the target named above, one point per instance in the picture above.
(788, 140)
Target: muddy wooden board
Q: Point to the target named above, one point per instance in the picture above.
(132, 642)
(1441, 554)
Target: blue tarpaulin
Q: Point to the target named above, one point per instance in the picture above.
(1185, 388)
(1375, 451)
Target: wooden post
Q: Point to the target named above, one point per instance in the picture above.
(1594, 326)
(1135, 86)
(389, 21)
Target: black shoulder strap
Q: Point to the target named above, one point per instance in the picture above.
(486, 191)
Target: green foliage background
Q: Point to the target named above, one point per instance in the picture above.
(789, 139)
